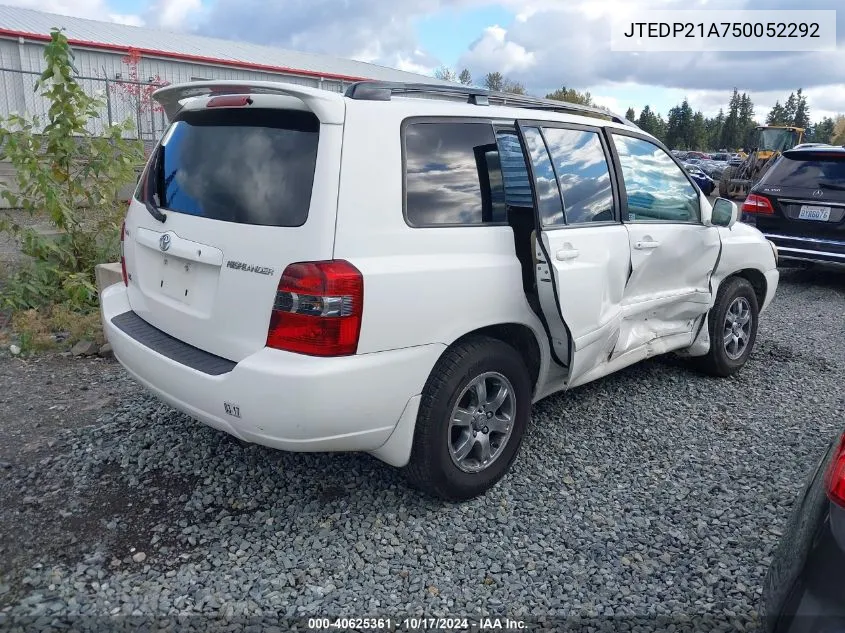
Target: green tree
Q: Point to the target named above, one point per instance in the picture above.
(652, 123)
(746, 122)
(630, 114)
(823, 130)
(679, 127)
(514, 87)
(494, 81)
(777, 115)
(802, 111)
(61, 169)
(732, 132)
(570, 95)
(465, 77)
(714, 130)
(790, 107)
(698, 132)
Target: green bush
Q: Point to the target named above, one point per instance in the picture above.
(73, 176)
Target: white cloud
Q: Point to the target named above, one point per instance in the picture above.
(493, 51)
(568, 43)
(128, 19)
(549, 43)
(175, 14)
(611, 103)
(90, 9)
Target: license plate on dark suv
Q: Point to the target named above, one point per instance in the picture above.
(810, 212)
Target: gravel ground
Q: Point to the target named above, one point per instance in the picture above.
(654, 492)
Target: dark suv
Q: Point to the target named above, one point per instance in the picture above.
(799, 204)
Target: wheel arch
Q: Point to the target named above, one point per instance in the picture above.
(757, 280)
(522, 338)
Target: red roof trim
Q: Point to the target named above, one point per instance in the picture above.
(199, 59)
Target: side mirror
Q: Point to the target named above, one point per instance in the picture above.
(725, 213)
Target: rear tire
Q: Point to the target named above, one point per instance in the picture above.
(450, 399)
(732, 325)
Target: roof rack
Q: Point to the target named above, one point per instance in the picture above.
(384, 91)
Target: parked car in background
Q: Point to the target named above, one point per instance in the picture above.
(700, 155)
(713, 168)
(804, 591)
(262, 297)
(799, 204)
(735, 159)
(704, 182)
(721, 157)
(679, 154)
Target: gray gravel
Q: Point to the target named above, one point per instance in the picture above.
(653, 492)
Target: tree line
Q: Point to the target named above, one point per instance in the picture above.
(731, 129)
(496, 81)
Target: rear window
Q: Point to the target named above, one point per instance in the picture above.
(248, 166)
(809, 174)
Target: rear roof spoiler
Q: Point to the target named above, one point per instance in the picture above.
(820, 151)
(328, 106)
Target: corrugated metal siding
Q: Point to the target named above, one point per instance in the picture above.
(103, 72)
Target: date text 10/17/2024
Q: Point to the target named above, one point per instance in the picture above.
(417, 624)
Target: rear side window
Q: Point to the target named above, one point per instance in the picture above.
(453, 174)
(248, 166)
(549, 203)
(814, 173)
(582, 173)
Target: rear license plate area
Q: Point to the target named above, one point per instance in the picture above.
(176, 278)
(811, 212)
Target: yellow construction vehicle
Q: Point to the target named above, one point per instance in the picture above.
(770, 141)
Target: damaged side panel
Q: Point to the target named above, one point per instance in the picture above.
(669, 288)
(665, 299)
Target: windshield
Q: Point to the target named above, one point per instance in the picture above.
(809, 174)
(236, 165)
(776, 140)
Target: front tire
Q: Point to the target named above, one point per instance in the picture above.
(732, 326)
(474, 411)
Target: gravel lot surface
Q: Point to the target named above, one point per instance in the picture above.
(653, 492)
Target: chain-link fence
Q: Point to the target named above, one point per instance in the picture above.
(123, 100)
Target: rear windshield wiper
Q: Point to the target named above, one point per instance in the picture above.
(831, 185)
(151, 199)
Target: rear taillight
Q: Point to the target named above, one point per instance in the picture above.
(835, 478)
(318, 309)
(122, 257)
(757, 204)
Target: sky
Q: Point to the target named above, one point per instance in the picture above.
(543, 44)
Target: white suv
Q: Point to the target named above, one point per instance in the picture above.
(404, 269)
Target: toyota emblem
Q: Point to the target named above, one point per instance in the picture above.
(164, 242)
(818, 193)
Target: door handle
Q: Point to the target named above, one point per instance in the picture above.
(646, 245)
(566, 254)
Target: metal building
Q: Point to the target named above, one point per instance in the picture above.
(162, 57)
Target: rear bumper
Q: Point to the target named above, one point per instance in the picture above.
(808, 249)
(286, 401)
